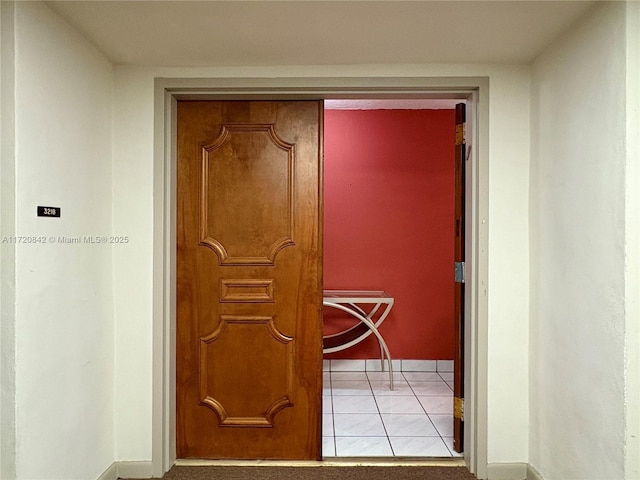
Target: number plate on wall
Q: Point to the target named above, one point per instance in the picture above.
(48, 211)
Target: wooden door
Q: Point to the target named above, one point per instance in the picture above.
(458, 381)
(249, 280)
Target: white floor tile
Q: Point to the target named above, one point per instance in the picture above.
(326, 379)
(363, 447)
(411, 432)
(419, 365)
(442, 404)
(358, 425)
(349, 376)
(327, 404)
(327, 424)
(382, 388)
(354, 404)
(350, 388)
(347, 365)
(328, 447)
(419, 447)
(446, 376)
(445, 365)
(398, 404)
(404, 425)
(422, 377)
(431, 388)
(444, 424)
(384, 376)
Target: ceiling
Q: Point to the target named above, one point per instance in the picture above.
(263, 33)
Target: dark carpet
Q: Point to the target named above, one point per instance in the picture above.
(319, 473)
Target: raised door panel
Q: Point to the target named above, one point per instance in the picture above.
(247, 170)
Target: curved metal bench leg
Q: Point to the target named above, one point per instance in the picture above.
(374, 330)
(390, 367)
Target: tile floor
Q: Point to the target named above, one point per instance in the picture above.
(363, 418)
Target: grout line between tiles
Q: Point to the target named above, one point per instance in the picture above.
(333, 421)
(375, 399)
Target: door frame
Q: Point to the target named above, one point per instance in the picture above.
(167, 91)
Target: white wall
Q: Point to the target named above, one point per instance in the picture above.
(64, 292)
(7, 251)
(508, 196)
(509, 268)
(578, 252)
(632, 224)
(133, 268)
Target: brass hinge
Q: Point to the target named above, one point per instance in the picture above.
(460, 133)
(458, 408)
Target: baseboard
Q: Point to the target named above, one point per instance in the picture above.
(507, 471)
(127, 470)
(374, 365)
(139, 469)
(110, 473)
(533, 474)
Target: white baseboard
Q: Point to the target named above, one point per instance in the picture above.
(374, 365)
(533, 474)
(138, 469)
(507, 471)
(127, 470)
(110, 473)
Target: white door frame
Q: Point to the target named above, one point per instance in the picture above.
(474, 90)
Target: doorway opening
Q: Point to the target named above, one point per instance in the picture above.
(169, 91)
(389, 187)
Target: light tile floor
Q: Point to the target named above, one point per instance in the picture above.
(363, 418)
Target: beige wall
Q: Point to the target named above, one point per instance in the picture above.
(580, 254)
(63, 400)
(632, 240)
(7, 252)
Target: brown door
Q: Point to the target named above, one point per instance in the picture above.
(249, 280)
(458, 368)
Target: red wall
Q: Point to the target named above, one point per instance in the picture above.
(388, 223)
